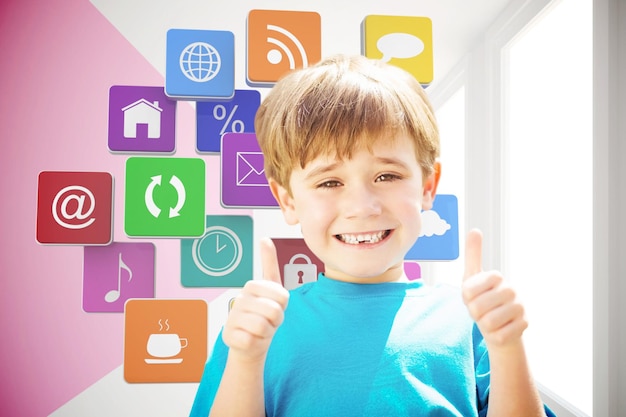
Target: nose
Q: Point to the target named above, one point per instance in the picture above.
(361, 201)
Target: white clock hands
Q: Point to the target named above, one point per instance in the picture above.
(221, 259)
(218, 248)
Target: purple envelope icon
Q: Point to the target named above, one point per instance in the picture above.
(250, 171)
(243, 176)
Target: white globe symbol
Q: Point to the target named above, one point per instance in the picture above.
(200, 62)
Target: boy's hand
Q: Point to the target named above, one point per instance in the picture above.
(491, 302)
(257, 311)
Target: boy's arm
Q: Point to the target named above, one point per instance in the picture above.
(512, 391)
(252, 322)
(241, 389)
(500, 317)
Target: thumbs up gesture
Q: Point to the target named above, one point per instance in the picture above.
(491, 302)
(258, 310)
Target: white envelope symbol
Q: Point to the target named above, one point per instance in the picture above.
(250, 170)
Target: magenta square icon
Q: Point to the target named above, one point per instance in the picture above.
(243, 175)
(115, 273)
(141, 120)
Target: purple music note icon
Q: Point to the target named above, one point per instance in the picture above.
(112, 274)
(114, 294)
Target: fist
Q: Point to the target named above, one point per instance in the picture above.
(257, 311)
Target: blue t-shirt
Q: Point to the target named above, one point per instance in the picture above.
(391, 349)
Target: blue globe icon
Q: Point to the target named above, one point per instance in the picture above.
(200, 62)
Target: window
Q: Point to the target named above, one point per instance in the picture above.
(548, 194)
(451, 121)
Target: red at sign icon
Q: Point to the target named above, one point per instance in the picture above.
(74, 208)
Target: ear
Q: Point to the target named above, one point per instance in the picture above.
(430, 187)
(285, 201)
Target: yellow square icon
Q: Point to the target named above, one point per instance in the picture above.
(404, 41)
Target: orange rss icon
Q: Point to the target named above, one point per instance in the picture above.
(279, 41)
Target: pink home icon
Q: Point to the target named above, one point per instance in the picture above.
(142, 112)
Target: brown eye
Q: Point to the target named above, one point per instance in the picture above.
(329, 184)
(387, 177)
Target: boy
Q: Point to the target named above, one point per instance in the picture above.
(351, 148)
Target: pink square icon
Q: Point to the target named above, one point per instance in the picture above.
(112, 274)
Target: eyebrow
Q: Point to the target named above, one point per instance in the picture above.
(392, 161)
(322, 169)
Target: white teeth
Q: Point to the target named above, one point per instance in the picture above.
(363, 238)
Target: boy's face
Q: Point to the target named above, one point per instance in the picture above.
(360, 216)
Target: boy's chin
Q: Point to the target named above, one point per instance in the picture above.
(368, 275)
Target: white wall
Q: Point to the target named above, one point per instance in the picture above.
(112, 396)
(143, 23)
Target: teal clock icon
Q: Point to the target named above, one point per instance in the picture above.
(218, 252)
(222, 256)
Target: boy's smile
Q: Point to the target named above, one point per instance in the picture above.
(363, 238)
(362, 214)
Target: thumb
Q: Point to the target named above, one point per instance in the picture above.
(473, 253)
(269, 261)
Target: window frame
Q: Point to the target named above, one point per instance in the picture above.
(482, 73)
(488, 129)
(609, 245)
(445, 89)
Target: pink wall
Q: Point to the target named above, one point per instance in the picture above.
(59, 59)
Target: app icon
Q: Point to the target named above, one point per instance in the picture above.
(298, 265)
(243, 176)
(219, 308)
(141, 119)
(200, 64)
(412, 270)
(164, 197)
(220, 258)
(164, 340)
(74, 208)
(404, 41)
(279, 41)
(439, 239)
(112, 274)
(250, 171)
(217, 117)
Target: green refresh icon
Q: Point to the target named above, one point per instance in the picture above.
(164, 197)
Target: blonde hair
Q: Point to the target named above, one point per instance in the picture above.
(341, 104)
